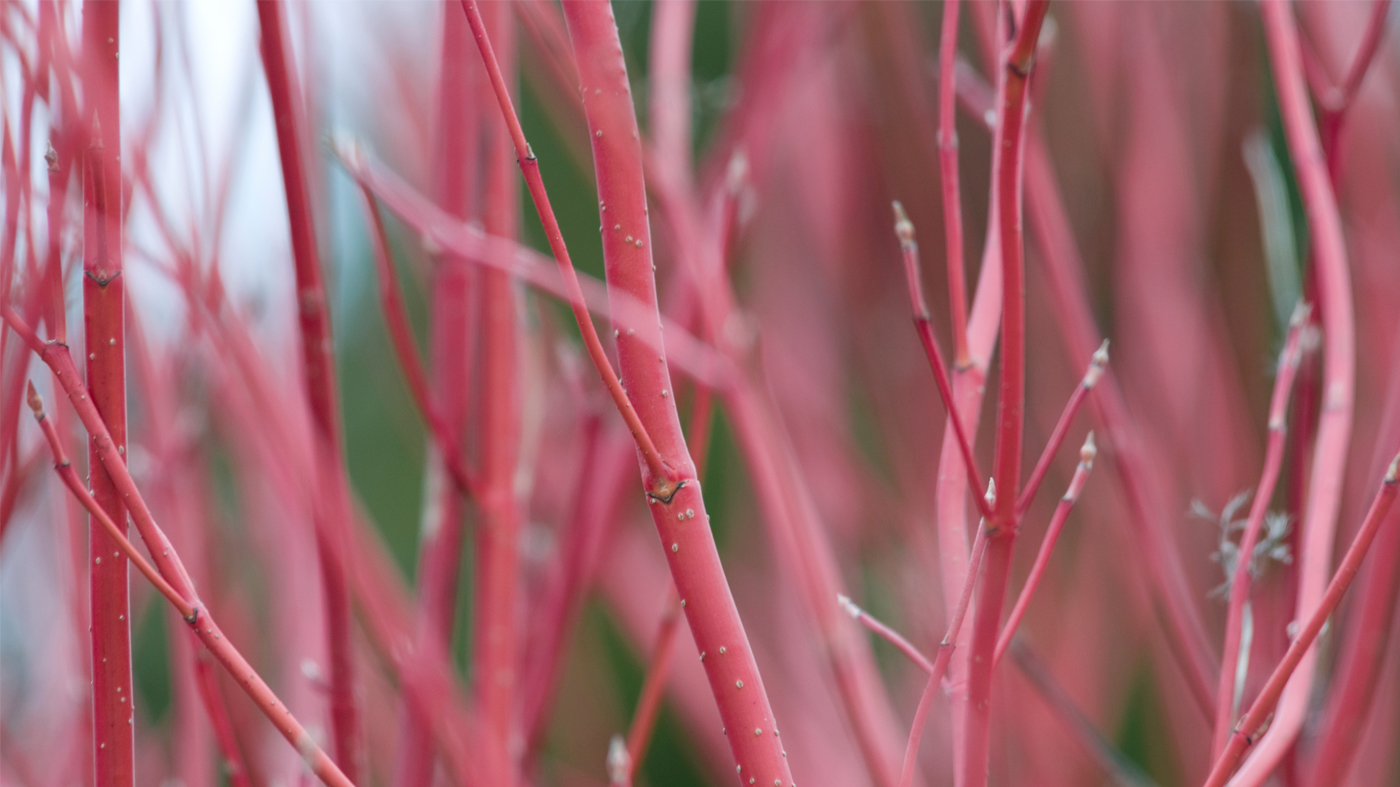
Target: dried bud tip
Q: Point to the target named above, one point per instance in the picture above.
(35, 403)
(619, 761)
(903, 227)
(991, 491)
(51, 156)
(1393, 472)
(1089, 451)
(1301, 312)
(1096, 365)
(848, 606)
(347, 148)
(738, 172)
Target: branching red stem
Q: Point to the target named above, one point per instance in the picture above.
(1097, 364)
(1263, 705)
(904, 229)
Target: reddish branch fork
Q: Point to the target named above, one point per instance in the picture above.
(168, 573)
(1244, 732)
(668, 472)
(319, 368)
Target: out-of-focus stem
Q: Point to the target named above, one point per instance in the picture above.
(948, 179)
(104, 337)
(1242, 735)
(498, 533)
(1047, 545)
(1264, 492)
(450, 342)
(318, 365)
(1319, 525)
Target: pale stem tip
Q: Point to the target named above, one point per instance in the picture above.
(1097, 364)
(1393, 472)
(51, 158)
(1089, 451)
(347, 147)
(619, 761)
(903, 227)
(1301, 312)
(848, 606)
(991, 496)
(738, 172)
(35, 403)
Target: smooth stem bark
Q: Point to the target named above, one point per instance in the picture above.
(1242, 735)
(1319, 524)
(449, 343)
(1009, 138)
(104, 338)
(680, 517)
(318, 365)
(1263, 494)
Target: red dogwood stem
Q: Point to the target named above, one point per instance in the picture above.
(104, 338)
(680, 517)
(1001, 536)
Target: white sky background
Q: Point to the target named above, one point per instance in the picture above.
(216, 112)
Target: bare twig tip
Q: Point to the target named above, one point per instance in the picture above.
(1393, 472)
(1088, 452)
(35, 403)
(903, 227)
(1097, 364)
(848, 606)
(991, 492)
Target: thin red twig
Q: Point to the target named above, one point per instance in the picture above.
(945, 653)
(1047, 545)
(1225, 702)
(904, 229)
(665, 483)
(1097, 363)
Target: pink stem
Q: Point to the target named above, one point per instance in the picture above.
(1097, 363)
(313, 311)
(948, 178)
